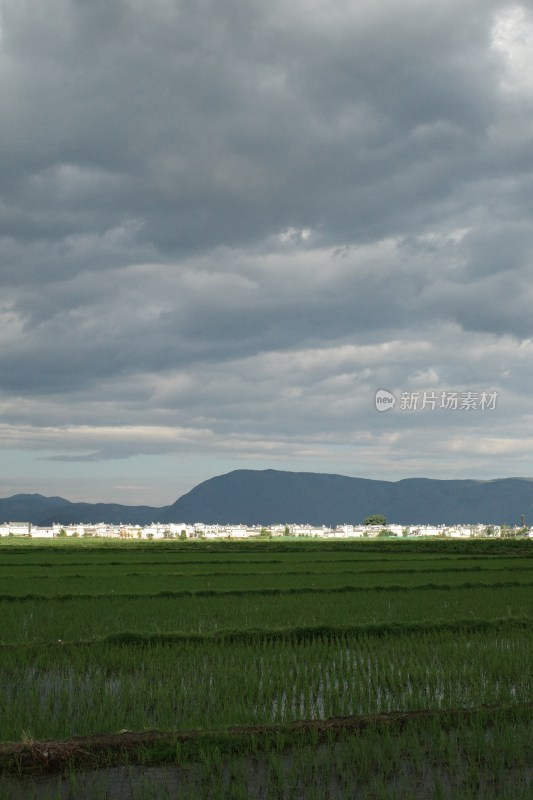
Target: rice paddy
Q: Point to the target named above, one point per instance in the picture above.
(266, 669)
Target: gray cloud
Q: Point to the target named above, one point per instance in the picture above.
(222, 124)
(237, 220)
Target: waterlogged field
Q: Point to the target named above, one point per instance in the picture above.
(266, 669)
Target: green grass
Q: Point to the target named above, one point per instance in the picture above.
(480, 754)
(50, 691)
(180, 636)
(95, 617)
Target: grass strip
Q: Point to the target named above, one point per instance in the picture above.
(266, 573)
(301, 545)
(291, 635)
(182, 747)
(21, 598)
(208, 560)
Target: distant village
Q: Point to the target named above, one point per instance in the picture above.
(200, 530)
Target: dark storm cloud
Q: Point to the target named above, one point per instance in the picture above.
(195, 197)
(221, 123)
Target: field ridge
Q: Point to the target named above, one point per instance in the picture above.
(295, 634)
(154, 746)
(33, 597)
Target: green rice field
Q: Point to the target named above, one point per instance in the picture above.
(266, 669)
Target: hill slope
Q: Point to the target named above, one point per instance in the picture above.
(270, 496)
(44, 511)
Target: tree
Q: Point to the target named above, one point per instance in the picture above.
(375, 519)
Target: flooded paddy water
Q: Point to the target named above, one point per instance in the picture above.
(318, 773)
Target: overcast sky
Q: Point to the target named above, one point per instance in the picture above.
(225, 224)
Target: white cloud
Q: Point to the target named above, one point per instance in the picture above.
(512, 35)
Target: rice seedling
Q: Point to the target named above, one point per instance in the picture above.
(97, 638)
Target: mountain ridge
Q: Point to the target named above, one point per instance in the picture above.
(275, 496)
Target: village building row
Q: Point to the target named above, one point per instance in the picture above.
(200, 530)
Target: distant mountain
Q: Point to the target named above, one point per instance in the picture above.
(29, 507)
(112, 513)
(44, 511)
(270, 496)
